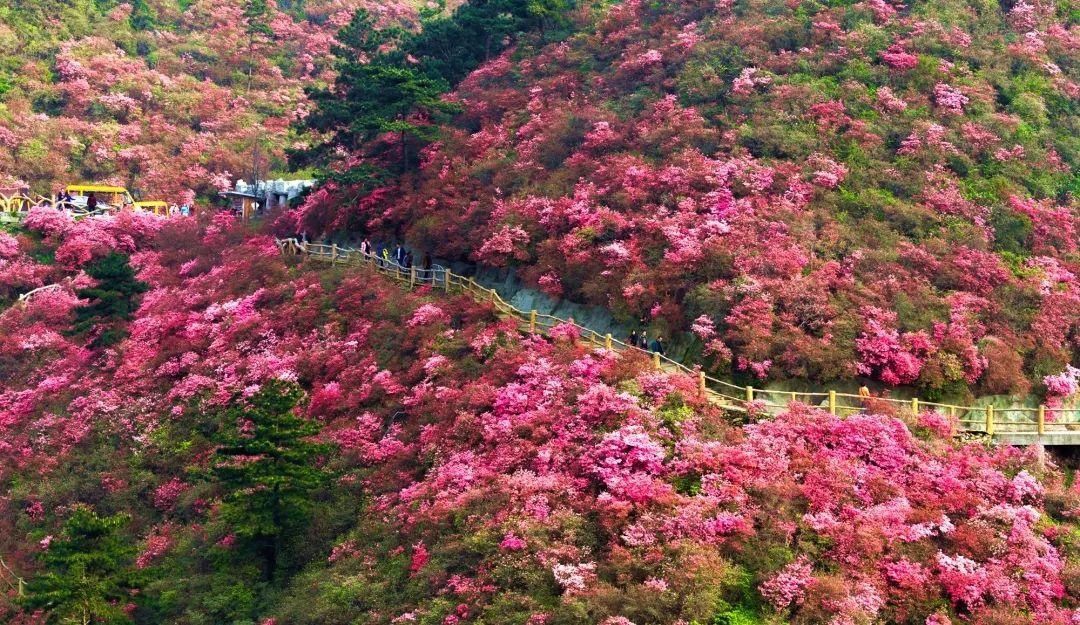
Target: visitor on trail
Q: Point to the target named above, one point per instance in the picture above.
(632, 340)
(644, 340)
(399, 254)
(365, 247)
(174, 210)
(657, 345)
(185, 210)
(407, 261)
(425, 269)
(864, 397)
(385, 256)
(91, 202)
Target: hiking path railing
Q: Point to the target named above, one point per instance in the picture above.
(986, 420)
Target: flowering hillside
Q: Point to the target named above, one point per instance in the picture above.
(458, 471)
(165, 97)
(822, 190)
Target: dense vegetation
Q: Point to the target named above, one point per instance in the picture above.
(174, 99)
(277, 443)
(819, 190)
(196, 429)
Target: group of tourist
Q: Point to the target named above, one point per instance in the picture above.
(400, 256)
(641, 341)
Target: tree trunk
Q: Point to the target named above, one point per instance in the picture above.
(275, 543)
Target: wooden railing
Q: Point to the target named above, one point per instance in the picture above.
(974, 419)
(48, 287)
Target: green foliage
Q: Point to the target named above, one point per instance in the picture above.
(266, 465)
(89, 574)
(375, 93)
(1012, 232)
(393, 81)
(739, 615)
(255, 14)
(111, 302)
(142, 16)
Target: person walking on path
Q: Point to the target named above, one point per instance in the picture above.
(385, 256)
(365, 248)
(399, 254)
(864, 397)
(425, 265)
(657, 345)
(632, 340)
(91, 202)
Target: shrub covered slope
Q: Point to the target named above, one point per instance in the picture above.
(829, 189)
(438, 467)
(170, 98)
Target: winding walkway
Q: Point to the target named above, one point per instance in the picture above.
(1018, 426)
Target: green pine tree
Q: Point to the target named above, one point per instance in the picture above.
(376, 93)
(393, 80)
(142, 16)
(89, 574)
(266, 466)
(111, 302)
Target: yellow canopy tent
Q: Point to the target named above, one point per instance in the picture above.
(107, 196)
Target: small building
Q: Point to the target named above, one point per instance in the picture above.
(245, 205)
(249, 200)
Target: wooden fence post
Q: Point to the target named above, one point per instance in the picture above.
(656, 359)
(532, 322)
(832, 402)
(750, 393)
(990, 420)
(607, 341)
(914, 405)
(333, 254)
(701, 382)
(1041, 421)
(412, 277)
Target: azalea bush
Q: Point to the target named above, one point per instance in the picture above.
(842, 190)
(162, 97)
(469, 473)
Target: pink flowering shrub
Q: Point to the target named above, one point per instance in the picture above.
(426, 315)
(176, 122)
(950, 98)
(788, 587)
(779, 191)
(1062, 385)
(545, 464)
(9, 246)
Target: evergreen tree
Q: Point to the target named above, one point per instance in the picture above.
(393, 80)
(266, 466)
(112, 301)
(255, 14)
(142, 16)
(376, 93)
(89, 575)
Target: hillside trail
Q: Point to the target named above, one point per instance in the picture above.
(1014, 425)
